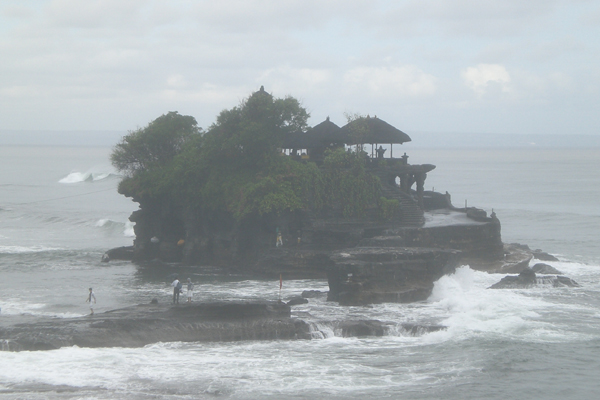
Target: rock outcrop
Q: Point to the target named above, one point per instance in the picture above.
(377, 275)
(545, 269)
(297, 300)
(527, 278)
(389, 260)
(119, 253)
(516, 258)
(543, 256)
(365, 260)
(150, 323)
(373, 327)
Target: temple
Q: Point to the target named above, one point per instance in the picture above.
(399, 179)
(402, 240)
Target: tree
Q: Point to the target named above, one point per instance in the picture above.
(239, 167)
(155, 145)
(249, 135)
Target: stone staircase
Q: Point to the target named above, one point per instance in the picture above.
(410, 212)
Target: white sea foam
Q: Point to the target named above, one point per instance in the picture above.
(575, 269)
(128, 231)
(89, 176)
(126, 228)
(468, 308)
(104, 222)
(25, 249)
(15, 306)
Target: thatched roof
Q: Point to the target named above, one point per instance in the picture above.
(325, 134)
(294, 140)
(362, 130)
(373, 130)
(321, 135)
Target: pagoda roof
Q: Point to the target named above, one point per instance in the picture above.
(373, 130)
(360, 131)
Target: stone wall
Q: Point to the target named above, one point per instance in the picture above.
(482, 240)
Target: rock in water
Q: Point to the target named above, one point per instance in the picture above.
(362, 328)
(543, 256)
(545, 269)
(564, 281)
(375, 275)
(150, 323)
(118, 253)
(527, 278)
(294, 301)
(311, 294)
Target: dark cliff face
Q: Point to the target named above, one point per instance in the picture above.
(177, 235)
(366, 260)
(377, 275)
(478, 241)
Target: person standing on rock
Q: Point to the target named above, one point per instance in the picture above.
(92, 300)
(190, 289)
(176, 289)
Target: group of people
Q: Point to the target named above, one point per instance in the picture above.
(279, 240)
(177, 290)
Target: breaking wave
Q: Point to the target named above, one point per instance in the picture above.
(25, 249)
(110, 225)
(76, 177)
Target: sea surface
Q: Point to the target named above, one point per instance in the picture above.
(60, 210)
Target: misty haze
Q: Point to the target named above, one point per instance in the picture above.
(307, 200)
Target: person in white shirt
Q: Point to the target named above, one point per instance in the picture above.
(92, 300)
(176, 290)
(190, 290)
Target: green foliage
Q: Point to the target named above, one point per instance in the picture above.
(155, 145)
(388, 208)
(249, 135)
(236, 165)
(346, 183)
(239, 162)
(359, 130)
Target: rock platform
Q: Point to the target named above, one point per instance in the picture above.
(144, 324)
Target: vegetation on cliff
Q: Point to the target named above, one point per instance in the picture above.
(236, 165)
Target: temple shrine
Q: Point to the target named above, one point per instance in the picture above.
(399, 179)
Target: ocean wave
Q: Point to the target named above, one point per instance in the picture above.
(76, 177)
(110, 225)
(129, 232)
(25, 249)
(469, 309)
(16, 306)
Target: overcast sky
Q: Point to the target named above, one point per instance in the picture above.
(482, 66)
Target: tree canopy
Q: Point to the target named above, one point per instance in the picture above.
(237, 166)
(155, 145)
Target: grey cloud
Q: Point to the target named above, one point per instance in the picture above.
(465, 17)
(119, 64)
(93, 14)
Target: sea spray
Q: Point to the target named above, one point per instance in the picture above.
(472, 310)
(552, 355)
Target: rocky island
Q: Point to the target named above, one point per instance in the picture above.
(260, 192)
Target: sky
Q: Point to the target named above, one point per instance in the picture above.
(471, 66)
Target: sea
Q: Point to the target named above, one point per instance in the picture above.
(60, 211)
